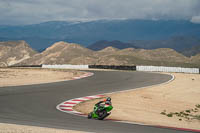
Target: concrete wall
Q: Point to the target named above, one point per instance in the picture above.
(167, 69)
(66, 66)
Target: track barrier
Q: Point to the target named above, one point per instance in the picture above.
(167, 69)
(25, 66)
(66, 66)
(113, 67)
(120, 67)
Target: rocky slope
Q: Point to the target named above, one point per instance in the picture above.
(13, 52)
(63, 53)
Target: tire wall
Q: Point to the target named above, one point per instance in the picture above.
(113, 67)
(25, 66)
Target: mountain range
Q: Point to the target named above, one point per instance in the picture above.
(188, 46)
(148, 34)
(19, 53)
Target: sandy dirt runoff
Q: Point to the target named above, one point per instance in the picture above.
(174, 104)
(16, 77)
(12, 128)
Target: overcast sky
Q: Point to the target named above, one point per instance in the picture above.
(36, 11)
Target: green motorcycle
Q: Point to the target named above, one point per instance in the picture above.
(101, 111)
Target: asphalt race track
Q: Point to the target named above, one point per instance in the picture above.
(36, 104)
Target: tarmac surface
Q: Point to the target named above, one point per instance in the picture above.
(36, 104)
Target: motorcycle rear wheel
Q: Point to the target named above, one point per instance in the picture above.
(90, 115)
(103, 115)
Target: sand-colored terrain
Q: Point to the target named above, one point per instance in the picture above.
(12, 128)
(15, 77)
(145, 105)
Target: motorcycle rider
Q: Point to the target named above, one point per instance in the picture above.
(107, 101)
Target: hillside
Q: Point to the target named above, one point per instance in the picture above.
(63, 53)
(195, 59)
(192, 51)
(161, 54)
(107, 51)
(13, 52)
(131, 56)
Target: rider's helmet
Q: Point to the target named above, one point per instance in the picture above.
(108, 99)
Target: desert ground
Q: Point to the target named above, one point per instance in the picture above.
(16, 77)
(12, 128)
(174, 104)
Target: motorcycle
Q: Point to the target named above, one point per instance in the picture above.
(100, 111)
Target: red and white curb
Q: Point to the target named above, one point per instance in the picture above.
(68, 105)
(88, 74)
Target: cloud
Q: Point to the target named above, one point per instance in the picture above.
(36, 11)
